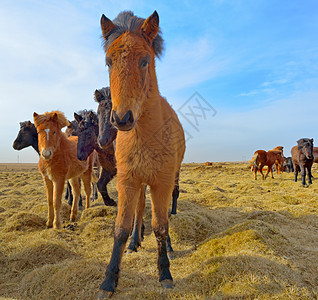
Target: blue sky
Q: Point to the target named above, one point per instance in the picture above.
(254, 62)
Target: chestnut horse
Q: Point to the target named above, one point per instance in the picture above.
(58, 162)
(150, 141)
(262, 158)
(303, 158)
(279, 168)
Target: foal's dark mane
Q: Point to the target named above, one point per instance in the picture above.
(127, 21)
(88, 115)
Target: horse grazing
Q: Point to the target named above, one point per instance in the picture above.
(262, 158)
(303, 158)
(150, 141)
(87, 133)
(208, 163)
(27, 136)
(58, 162)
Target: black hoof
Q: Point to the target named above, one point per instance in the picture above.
(104, 294)
(110, 202)
(167, 284)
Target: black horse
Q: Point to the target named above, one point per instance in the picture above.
(288, 164)
(302, 156)
(87, 132)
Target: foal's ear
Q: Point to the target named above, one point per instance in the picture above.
(35, 116)
(107, 26)
(29, 124)
(77, 117)
(312, 140)
(150, 27)
(99, 96)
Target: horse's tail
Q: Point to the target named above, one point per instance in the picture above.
(253, 160)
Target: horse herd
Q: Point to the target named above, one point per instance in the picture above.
(304, 154)
(135, 135)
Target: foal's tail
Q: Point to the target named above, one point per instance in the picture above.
(253, 160)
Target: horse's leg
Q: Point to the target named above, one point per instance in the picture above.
(75, 183)
(261, 171)
(255, 172)
(128, 195)
(175, 195)
(309, 175)
(272, 172)
(296, 172)
(104, 179)
(135, 240)
(160, 196)
(303, 174)
(86, 178)
(57, 201)
(49, 195)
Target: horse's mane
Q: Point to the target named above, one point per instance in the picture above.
(26, 124)
(88, 115)
(61, 119)
(127, 21)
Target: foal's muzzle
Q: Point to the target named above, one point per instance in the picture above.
(47, 154)
(126, 123)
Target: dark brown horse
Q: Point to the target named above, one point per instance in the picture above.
(150, 142)
(87, 133)
(303, 158)
(262, 158)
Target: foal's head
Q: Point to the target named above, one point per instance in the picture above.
(27, 136)
(87, 133)
(131, 44)
(107, 132)
(49, 127)
(306, 146)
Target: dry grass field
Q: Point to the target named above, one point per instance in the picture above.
(234, 238)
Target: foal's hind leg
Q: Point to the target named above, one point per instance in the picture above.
(175, 195)
(160, 196)
(135, 240)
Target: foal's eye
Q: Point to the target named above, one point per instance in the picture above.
(109, 63)
(144, 64)
(54, 132)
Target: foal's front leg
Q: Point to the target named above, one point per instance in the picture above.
(49, 195)
(57, 201)
(128, 194)
(160, 196)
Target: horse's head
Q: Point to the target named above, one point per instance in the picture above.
(27, 136)
(72, 129)
(49, 127)
(107, 132)
(131, 44)
(306, 146)
(87, 133)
